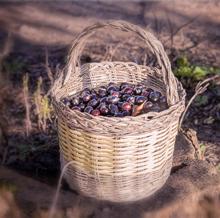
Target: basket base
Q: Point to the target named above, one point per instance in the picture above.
(114, 188)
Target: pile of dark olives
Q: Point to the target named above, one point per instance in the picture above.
(116, 100)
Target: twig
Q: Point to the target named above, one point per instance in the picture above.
(170, 25)
(184, 25)
(195, 44)
(49, 72)
(145, 59)
(173, 32)
(27, 107)
(157, 26)
(110, 51)
(200, 88)
(143, 6)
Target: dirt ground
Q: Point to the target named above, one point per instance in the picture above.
(192, 28)
(56, 24)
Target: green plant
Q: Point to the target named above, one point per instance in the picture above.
(42, 105)
(201, 100)
(187, 70)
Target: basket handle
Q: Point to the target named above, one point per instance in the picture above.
(152, 43)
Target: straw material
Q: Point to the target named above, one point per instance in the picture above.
(117, 159)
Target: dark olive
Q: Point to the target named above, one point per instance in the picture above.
(156, 108)
(94, 96)
(127, 90)
(140, 99)
(75, 101)
(149, 90)
(82, 106)
(145, 93)
(95, 112)
(102, 92)
(103, 100)
(87, 97)
(124, 85)
(123, 114)
(126, 113)
(112, 88)
(115, 93)
(126, 106)
(137, 91)
(163, 99)
(93, 103)
(131, 99)
(125, 97)
(120, 103)
(102, 104)
(104, 110)
(88, 109)
(119, 114)
(154, 96)
(147, 106)
(113, 109)
(163, 106)
(85, 92)
(112, 100)
(66, 101)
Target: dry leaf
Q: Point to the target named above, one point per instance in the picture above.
(137, 109)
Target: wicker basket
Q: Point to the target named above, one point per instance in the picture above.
(117, 159)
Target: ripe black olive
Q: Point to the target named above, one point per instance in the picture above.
(113, 109)
(131, 99)
(82, 106)
(154, 96)
(104, 110)
(75, 101)
(117, 100)
(127, 90)
(95, 112)
(87, 97)
(126, 106)
(137, 90)
(140, 99)
(112, 100)
(93, 103)
(147, 106)
(66, 101)
(88, 109)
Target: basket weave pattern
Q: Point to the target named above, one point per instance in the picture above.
(118, 159)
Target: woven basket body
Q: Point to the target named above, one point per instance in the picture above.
(117, 159)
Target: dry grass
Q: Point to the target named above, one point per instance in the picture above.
(43, 108)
